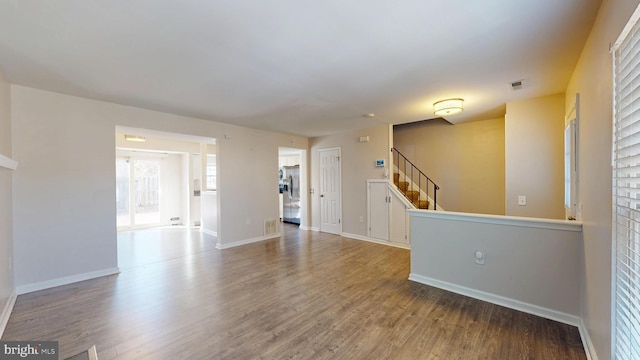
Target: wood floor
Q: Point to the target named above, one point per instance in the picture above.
(307, 295)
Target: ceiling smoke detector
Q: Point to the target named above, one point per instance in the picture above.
(517, 85)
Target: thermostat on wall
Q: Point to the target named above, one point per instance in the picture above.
(380, 163)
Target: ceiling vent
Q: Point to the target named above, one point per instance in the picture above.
(517, 85)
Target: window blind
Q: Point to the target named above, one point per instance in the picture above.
(626, 195)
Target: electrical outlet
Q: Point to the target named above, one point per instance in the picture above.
(479, 257)
(522, 200)
(361, 219)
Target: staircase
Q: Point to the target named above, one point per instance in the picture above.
(412, 195)
(413, 183)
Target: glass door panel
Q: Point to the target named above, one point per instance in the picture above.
(137, 192)
(147, 191)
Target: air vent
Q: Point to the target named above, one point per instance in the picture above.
(517, 85)
(269, 227)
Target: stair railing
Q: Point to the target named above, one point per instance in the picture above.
(414, 177)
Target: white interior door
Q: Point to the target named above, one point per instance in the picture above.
(330, 194)
(398, 232)
(378, 210)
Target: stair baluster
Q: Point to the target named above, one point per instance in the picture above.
(414, 183)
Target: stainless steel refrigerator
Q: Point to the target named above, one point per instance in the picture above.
(291, 194)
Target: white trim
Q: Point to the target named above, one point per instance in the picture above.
(547, 313)
(25, 289)
(7, 162)
(221, 246)
(589, 349)
(627, 29)
(308, 228)
(551, 224)
(92, 353)
(209, 232)
(6, 312)
(372, 240)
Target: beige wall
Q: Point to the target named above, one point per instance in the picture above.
(534, 157)
(593, 80)
(357, 165)
(6, 218)
(64, 208)
(465, 160)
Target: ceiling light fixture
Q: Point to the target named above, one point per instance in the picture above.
(448, 107)
(136, 138)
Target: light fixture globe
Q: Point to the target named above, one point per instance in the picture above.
(448, 107)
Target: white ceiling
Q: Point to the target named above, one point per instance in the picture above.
(296, 66)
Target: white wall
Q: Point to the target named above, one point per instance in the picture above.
(593, 80)
(210, 212)
(6, 202)
(357, 165)
(534, 157)
(64, 200)
(531, 265)
(173, 195)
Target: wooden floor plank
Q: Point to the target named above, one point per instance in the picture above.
(307, 295)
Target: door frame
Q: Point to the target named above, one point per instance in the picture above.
(320, 151)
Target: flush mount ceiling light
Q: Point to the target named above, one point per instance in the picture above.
(135, 138)
(448, 107)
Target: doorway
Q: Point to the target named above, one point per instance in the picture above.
(330, 191)
(138, 191)
(293, 186)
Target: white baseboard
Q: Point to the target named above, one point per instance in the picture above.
(210, 232)
(589, 349)
(382, 242)
(7, 162)
(25, 289)
(220, 246)
(6, 312)
(308, 228)
(551, 314)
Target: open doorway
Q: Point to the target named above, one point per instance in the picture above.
(293, 188)
(165, 185)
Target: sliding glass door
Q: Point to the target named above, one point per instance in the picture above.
(138, 195)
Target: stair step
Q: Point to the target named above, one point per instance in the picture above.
(414, 195)
(402, 185)
(396, 177)
(422, 204)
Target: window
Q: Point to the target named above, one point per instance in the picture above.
(626, 194)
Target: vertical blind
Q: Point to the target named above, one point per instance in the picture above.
(626, 196)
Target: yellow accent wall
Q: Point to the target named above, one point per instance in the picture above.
(466, 160)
